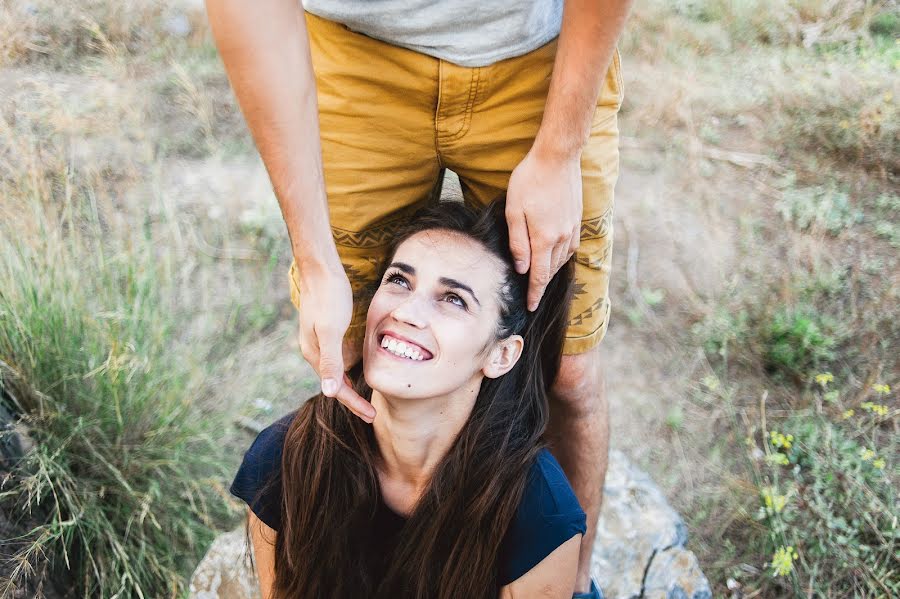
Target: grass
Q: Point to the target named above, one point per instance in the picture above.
(122, 335)
(126, 475)
(827, 502)
(138, 319)
(793, 103)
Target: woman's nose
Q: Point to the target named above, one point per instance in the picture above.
(412, 310)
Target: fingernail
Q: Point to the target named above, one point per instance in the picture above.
(329, 386)
(520, 267)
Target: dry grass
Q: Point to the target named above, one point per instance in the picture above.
(118, 116)
(762, 104)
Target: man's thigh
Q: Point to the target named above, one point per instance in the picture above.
(376, 104)
(501, 131)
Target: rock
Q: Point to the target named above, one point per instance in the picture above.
(675, 574)
(225, 572)
(639, 551)
(16, 527)
(12, 447)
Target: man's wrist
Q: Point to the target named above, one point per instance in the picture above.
(557, 148)
(314, 264)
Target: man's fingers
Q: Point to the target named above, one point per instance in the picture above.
(336, 383)
(355, 402)
(559, 256)
(331, 363)
(309, 353)
(519, 244)
(538, 278)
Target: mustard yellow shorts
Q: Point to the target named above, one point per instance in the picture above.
(393, 119)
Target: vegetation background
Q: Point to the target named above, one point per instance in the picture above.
(145, 321)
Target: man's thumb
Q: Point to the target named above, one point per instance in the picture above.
(331, 369)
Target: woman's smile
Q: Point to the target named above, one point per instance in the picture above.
(403, 349)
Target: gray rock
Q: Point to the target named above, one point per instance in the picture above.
(675, 574)
(639, 551)
(225, 572)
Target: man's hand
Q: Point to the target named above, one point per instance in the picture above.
(543, 209)
(324, 318)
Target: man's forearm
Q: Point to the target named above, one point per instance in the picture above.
(265, 49)
(587, 39)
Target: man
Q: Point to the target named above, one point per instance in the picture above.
(518, 98)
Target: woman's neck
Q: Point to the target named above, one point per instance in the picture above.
(413, 436)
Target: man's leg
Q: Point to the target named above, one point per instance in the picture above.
(488, 141)
(579, 437)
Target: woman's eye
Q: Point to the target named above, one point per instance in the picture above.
(395, 277)
(455, 299)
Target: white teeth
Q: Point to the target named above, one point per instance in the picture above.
(401, 349)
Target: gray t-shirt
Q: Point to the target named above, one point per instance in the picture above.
(470, 33)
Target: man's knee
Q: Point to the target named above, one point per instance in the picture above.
(580, 386)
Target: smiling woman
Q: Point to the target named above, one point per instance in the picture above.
(451, 491)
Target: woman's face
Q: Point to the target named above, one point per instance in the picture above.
(436, 305)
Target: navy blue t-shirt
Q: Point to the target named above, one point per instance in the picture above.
(548, 515)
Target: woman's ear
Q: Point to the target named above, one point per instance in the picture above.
(503, 356)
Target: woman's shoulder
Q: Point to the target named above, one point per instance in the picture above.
(549, 514)
(260, 466)
(549, 492)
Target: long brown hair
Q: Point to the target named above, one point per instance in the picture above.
(327, 546)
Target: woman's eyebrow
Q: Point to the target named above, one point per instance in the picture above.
(452, 283)
(404, 267)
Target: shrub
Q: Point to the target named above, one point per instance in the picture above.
(820, 207)
(829, 505)
(721, 330)
(126, 474)
(797, 340)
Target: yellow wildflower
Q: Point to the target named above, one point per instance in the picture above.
(881, 388)
(774, 501)
(847, 414)
(875, 408)
(879, 464)
(866, 454)
(844, 124)
(783, 560)
(824, 378)
(779, 440)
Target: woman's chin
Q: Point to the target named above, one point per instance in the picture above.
(387, 381)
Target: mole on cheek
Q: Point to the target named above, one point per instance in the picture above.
(408, 385)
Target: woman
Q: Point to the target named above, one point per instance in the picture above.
(450, 492)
